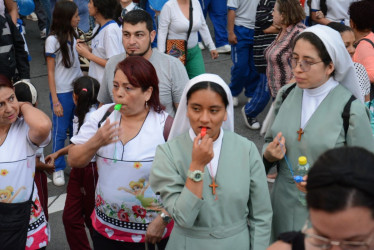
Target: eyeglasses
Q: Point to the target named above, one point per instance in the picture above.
(304, 65)
(315, 242)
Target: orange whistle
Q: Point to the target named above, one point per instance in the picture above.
(203, 132)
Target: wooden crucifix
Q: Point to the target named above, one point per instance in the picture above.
(300, 132)
(213, 186)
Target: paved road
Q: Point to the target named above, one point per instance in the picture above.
(57, 195)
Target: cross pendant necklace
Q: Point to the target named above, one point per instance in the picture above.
(214, 184)
(300, 132)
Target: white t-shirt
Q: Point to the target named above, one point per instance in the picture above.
(337, 10)
(174, 25)
(107, 43)
(2, 8)
(86, 118)
(17, 169)
(245, 12)
(64, 77)
(122, 212)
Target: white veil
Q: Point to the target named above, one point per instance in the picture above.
(181, 123)
(344, 70)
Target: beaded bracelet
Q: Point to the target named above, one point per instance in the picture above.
(56, 104)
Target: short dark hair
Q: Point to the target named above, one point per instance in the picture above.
(209, 85)
(361, 13)
(5, 81)
(292, 11)
(339, 27)
(317, 43)
(342, 178)
(106, 8)
(141, 74)
(139, 16)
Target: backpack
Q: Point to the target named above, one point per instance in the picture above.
(346, 110)
(167, 127)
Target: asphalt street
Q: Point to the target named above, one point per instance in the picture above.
(57, 195)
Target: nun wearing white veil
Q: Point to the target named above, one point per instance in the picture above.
(212, 185)
(309, 120)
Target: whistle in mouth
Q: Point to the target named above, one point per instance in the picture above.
(203, 132)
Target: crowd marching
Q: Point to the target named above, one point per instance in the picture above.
(155, 161)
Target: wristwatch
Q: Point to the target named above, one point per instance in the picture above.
(166, 218)
(196, 175)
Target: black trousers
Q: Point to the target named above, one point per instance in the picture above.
(102, 243)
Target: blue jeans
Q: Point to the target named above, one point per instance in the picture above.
(260, 98)
(47, 8)
(61, 126)
(243, 72)
(217, 10)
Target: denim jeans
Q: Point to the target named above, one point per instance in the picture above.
(61, 125)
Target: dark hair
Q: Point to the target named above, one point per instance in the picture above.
(139, 16)
(23, 92)
(339, 27)
(209, 85)
(61, 27)
(106, 7)
(5, 82)
(86, 89)
(291, 10)
(317, 43)
(141, 74)
(342, 178)
(361, 13)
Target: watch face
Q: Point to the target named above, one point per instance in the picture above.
(196, 175)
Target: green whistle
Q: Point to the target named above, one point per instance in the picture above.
(117, 106)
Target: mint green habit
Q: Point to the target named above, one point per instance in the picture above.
(323, 131)
(243, 197)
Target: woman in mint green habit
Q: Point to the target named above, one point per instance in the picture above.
(309, 118)
(211, 180)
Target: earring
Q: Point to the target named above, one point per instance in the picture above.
(146, 104)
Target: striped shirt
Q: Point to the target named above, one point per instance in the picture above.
(264, 20)
(279, 71)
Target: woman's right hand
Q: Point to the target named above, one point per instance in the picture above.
(276, 149)
(202, 153)
(108, 133)
(57, 109)
(50, 159)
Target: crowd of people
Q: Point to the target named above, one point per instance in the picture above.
(155, 161)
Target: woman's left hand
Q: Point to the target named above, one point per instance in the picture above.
(302, 185)
(155, 230)
(214, 54)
